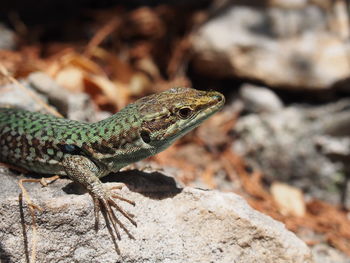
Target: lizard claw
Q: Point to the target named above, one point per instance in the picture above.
(104, 202)
(82, 170)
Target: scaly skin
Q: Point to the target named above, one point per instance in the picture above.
(88, 151)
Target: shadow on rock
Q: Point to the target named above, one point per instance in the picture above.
(154, 185)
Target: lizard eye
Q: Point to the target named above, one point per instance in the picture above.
(145, 136)
(185, 112)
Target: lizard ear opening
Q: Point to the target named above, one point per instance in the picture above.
(145, 136)
(70, 148)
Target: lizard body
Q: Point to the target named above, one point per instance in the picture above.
(86, 152)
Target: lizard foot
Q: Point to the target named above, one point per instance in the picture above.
(104, 202)
(82, 170)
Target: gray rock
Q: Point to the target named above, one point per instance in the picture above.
(304, 146)
(174, 225)
(75, 106)
(15, 96)
(323, 253)
(7, 38)
(259, 99)
(284, 48)
(45, 85)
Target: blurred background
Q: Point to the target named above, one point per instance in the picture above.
(283, 139)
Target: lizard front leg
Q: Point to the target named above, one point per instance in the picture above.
(82, 170)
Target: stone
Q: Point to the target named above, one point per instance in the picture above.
(8, 39)
(326, 254)
(281, 48)
(259, 99)
(174, 225)
(38, 85)
(305, 146)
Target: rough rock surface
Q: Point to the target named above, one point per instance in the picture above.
(323, 253)
(291, 48)
(307, 146)
(75, 106)
(174, 225)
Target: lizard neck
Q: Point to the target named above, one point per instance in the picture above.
(116, 142)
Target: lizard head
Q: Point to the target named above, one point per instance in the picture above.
(171, 114)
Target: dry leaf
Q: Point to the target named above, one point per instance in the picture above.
(115, 93)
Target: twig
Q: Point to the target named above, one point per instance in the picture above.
(5, 73)
(33, 207)
(101, 35)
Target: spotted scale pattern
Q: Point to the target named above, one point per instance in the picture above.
(39, 142)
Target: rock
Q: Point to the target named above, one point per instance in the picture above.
(307, 147)
(15, 96)
(174, 225)
(7, 38)
(75, 106)
(259, 99)
(325, 254)
(45, 85)
(284, 48)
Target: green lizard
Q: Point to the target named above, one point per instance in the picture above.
(85, 152)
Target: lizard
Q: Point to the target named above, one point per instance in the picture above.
(86, 152)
